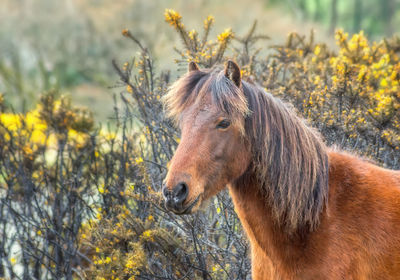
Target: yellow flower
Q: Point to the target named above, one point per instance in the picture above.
(79, 137)
(172, 17)
(38, 137)
(147, 233)
(226, 35)
(13, 261)
(384, 83)
(192, 34)
(317, 80)
(27, 150)
(335, 79)
(362, 72)
(33, 120)
(208, 21)
(125, 32)
(317, 50)
(11, 121)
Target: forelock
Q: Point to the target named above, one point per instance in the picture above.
(194, 86)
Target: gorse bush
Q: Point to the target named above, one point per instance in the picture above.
(81, 201)
(199, 48)
(353, 97)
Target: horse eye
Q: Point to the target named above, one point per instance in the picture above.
(224, 124)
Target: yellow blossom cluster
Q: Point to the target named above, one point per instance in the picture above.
(117, 244)
(44, 127)
(226, 35)
(173, 18)
(34, 127)
(197, 48)
(355, 91)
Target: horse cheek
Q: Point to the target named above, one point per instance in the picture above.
(239, 160)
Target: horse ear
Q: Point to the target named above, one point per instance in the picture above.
(232, 72)
(193, 66)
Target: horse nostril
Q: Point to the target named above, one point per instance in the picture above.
(166, 193)
(180, 193)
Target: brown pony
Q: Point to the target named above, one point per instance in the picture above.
(310, 212)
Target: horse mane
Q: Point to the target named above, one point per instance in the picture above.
(289, 159)
(195, 85)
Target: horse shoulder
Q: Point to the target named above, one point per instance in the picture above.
(363, 217)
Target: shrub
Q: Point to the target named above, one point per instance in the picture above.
(80, 201)
(353, 96)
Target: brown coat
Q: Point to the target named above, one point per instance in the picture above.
(359, 233)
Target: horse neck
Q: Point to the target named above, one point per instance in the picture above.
(262, 229)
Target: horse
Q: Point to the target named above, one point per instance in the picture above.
(309, 211)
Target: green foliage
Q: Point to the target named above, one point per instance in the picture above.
(374, 17)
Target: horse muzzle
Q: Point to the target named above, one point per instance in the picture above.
(175, 199)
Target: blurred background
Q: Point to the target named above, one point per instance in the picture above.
(80, 193)
(68, 45)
